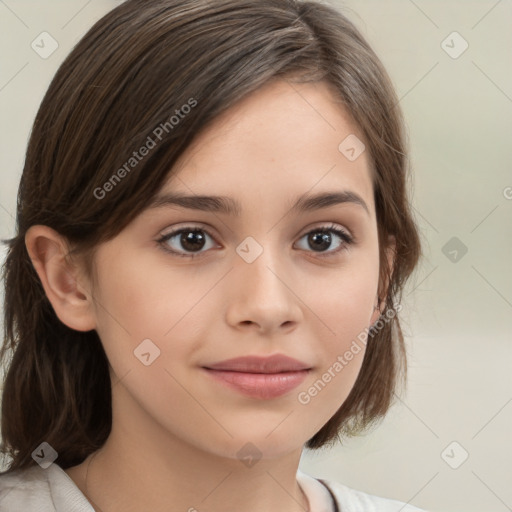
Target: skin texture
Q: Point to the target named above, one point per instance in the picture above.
(176, 432)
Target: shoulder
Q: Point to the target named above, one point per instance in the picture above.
(354, 500)
(24, 489)
(41, 490)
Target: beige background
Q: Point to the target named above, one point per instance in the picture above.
(459, 115)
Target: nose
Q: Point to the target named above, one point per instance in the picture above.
(263, 295)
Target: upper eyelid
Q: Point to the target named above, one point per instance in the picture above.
(329, 225)
(187, 227)
(193, 225)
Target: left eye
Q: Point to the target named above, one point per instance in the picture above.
(322, 238)
(194, 240)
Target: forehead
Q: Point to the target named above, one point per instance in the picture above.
(276, 144)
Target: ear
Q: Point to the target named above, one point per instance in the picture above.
(383, 288)
(71, 300)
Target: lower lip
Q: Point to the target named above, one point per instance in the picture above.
(260, 385)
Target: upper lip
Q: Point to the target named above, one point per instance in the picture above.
(277, 363)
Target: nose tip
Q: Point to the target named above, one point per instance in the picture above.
(260, 296)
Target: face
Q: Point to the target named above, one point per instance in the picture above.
(267, 279)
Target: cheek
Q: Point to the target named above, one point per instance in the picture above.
(129, 306)
(140, 301)
(349, 312)
(344, 304)
(345, 300)
(341, 355)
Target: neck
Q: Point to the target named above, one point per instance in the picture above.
(159, 471)
(111, 484)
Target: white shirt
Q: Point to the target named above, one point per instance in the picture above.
(52, 490)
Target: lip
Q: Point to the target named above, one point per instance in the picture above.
(263, 386)
(277, 363)
(260, 377)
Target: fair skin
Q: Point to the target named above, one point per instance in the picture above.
(176, 432)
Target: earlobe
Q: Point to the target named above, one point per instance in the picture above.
(70, 299)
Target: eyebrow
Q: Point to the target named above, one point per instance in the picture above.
(223, 204)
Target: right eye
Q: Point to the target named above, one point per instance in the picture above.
(185, 239)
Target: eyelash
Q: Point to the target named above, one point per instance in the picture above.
(345, 237)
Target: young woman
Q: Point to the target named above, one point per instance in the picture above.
(213, 235)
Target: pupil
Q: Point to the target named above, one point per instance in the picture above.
(192, 240)
(324, 240)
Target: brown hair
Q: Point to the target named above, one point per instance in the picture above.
(135, 68)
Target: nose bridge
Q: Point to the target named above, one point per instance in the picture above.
(259, 262)
(260, 291)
